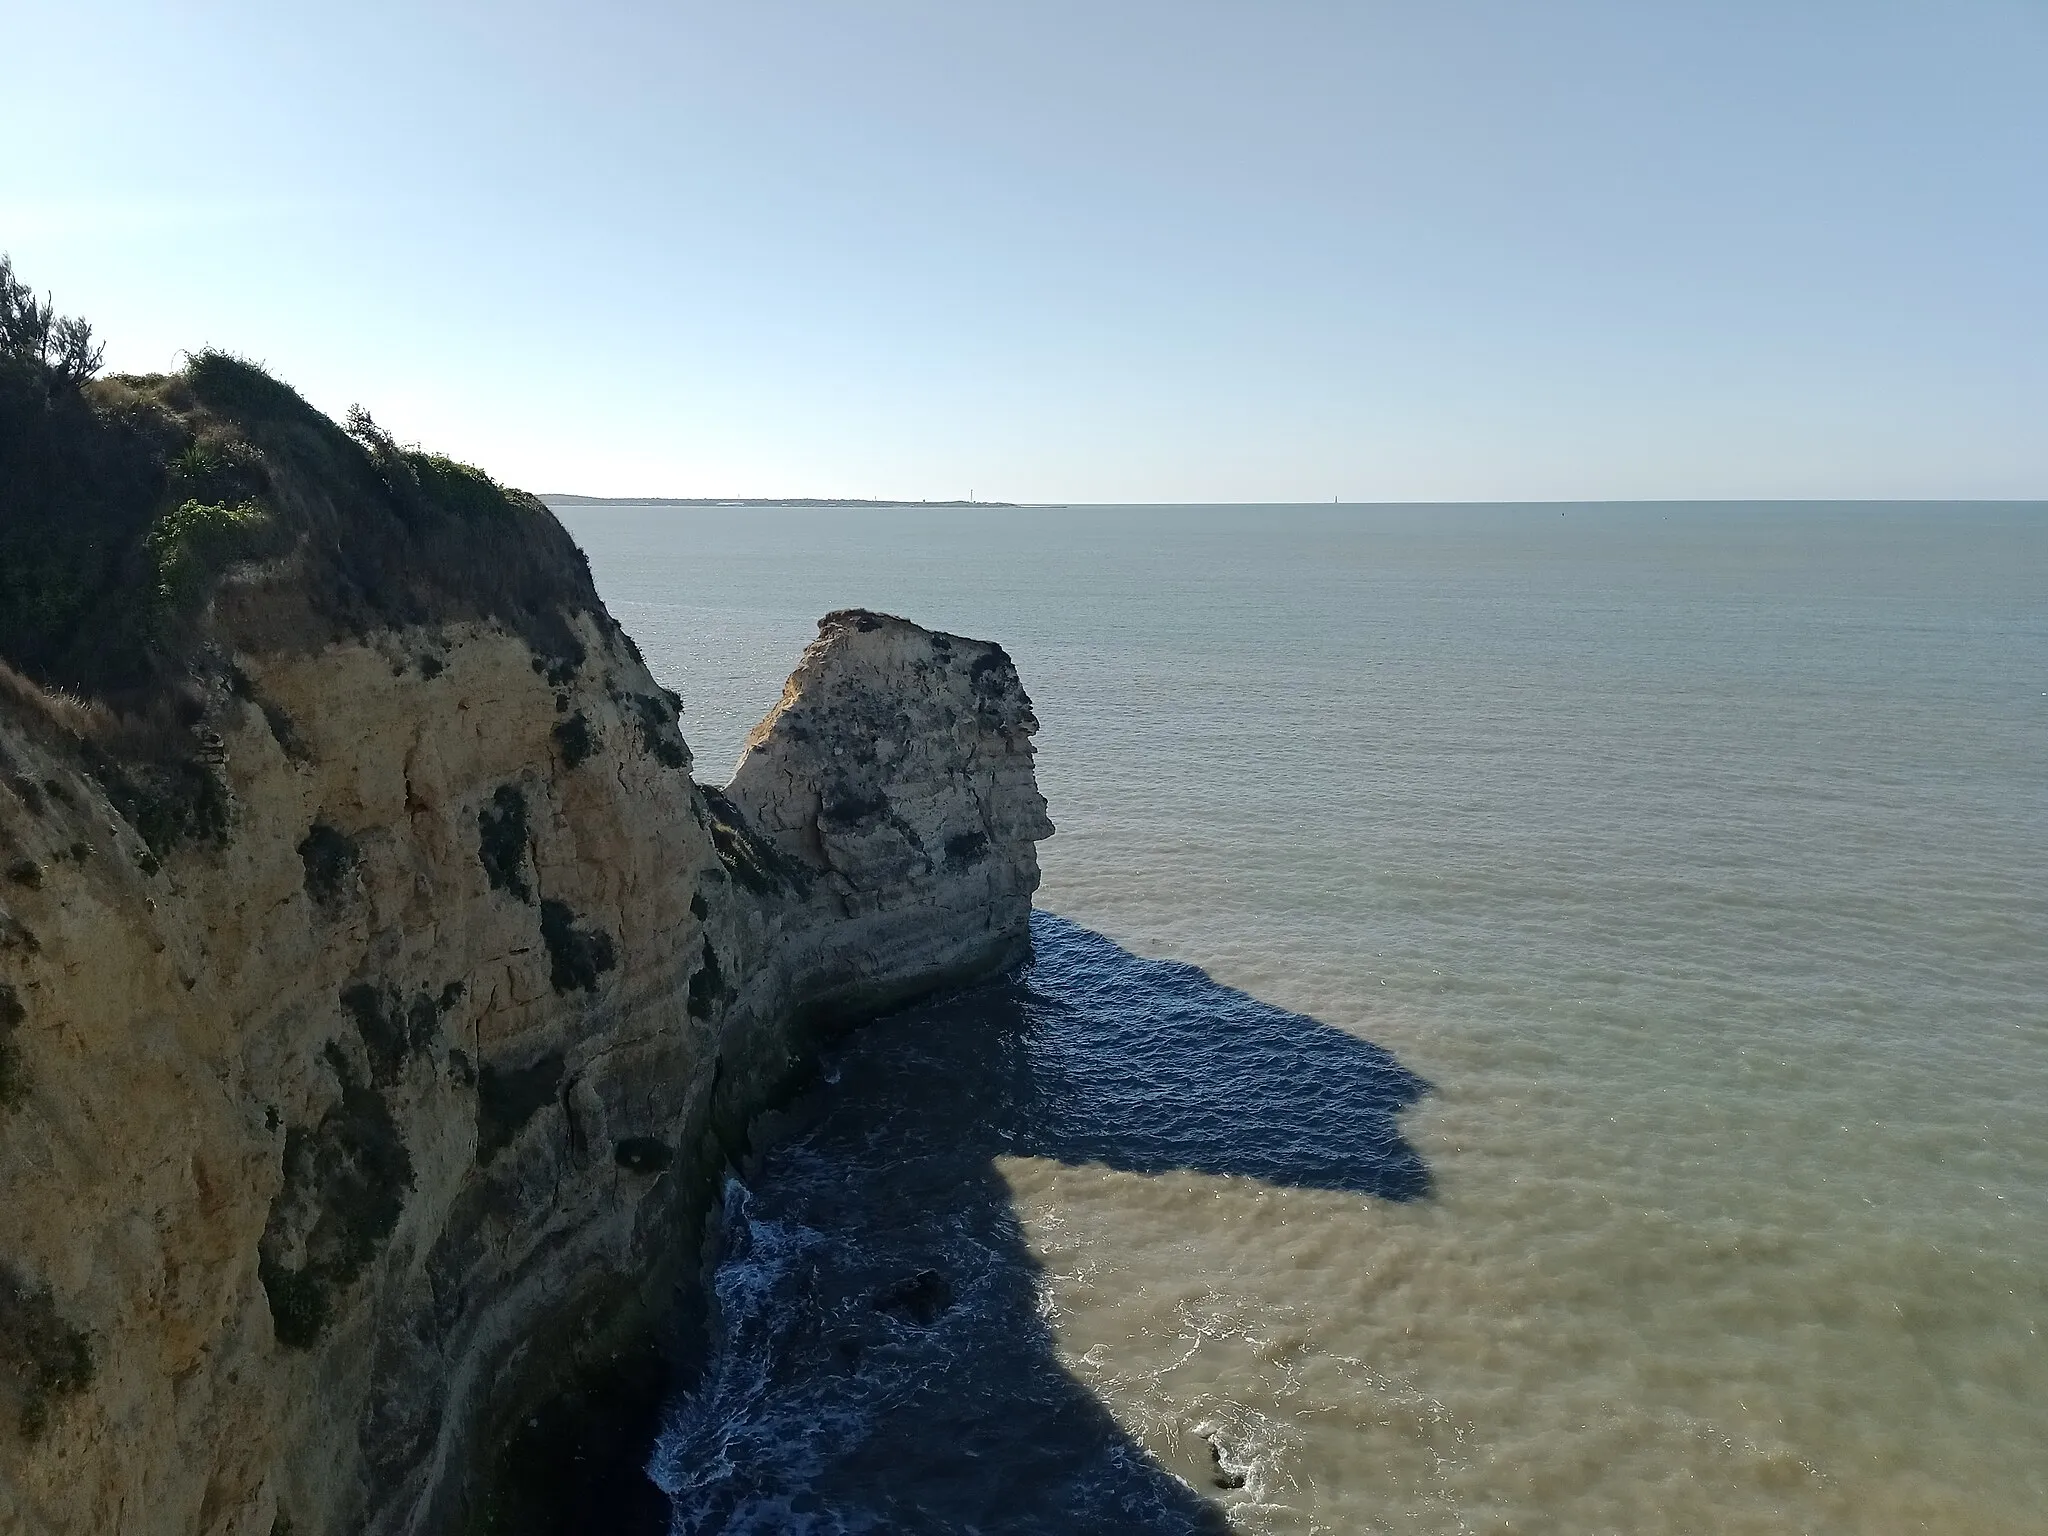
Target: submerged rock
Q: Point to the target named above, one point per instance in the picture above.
(919, 1298)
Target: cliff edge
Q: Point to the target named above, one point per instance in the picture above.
(381, 997)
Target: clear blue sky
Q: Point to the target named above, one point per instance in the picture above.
(1146, 250)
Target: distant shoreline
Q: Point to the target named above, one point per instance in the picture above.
(754, 501)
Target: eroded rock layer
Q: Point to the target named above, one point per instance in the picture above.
(328, 1139)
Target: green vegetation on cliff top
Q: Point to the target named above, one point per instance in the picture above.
(154, 526)
(142, 516)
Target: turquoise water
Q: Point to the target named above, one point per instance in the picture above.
(1693, 855)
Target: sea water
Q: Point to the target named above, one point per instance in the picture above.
(1540, 1024)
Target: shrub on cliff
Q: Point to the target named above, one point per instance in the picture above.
(57, 350)
(188, 544)
(427, 483)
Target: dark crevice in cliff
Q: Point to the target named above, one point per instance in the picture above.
(283, 729)
(575, 1465)
(643, 1154)
(753, 861)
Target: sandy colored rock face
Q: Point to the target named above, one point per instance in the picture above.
(325, 1141)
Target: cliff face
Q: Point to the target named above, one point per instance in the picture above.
(329, 1138)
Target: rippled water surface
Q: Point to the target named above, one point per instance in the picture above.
(1694, 858)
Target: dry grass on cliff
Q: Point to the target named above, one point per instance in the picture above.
(83, 719)
(153, 736)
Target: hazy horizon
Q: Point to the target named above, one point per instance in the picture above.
(1147, 253)
(660, 499)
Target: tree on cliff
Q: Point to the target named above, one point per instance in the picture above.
(58, 349)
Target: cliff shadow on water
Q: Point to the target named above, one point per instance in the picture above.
(881, 1360)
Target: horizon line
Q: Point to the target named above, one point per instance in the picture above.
(584, 499)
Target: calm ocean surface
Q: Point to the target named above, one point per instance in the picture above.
(1613, 1096)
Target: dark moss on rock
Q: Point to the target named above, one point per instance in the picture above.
(659, 733)
(300, 1303)
(13, 1082)
(573, 740)
(15, 934)
(345, 1185)
(393, 1030)
(559, 671)
(964, 848)
(992, 671)
(169, 801)
(330, 857)
(501, 841)
(707, 985)
(845, 807)
(46, 1356)
(578, 953)
(508, 1097)
(28, 792)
